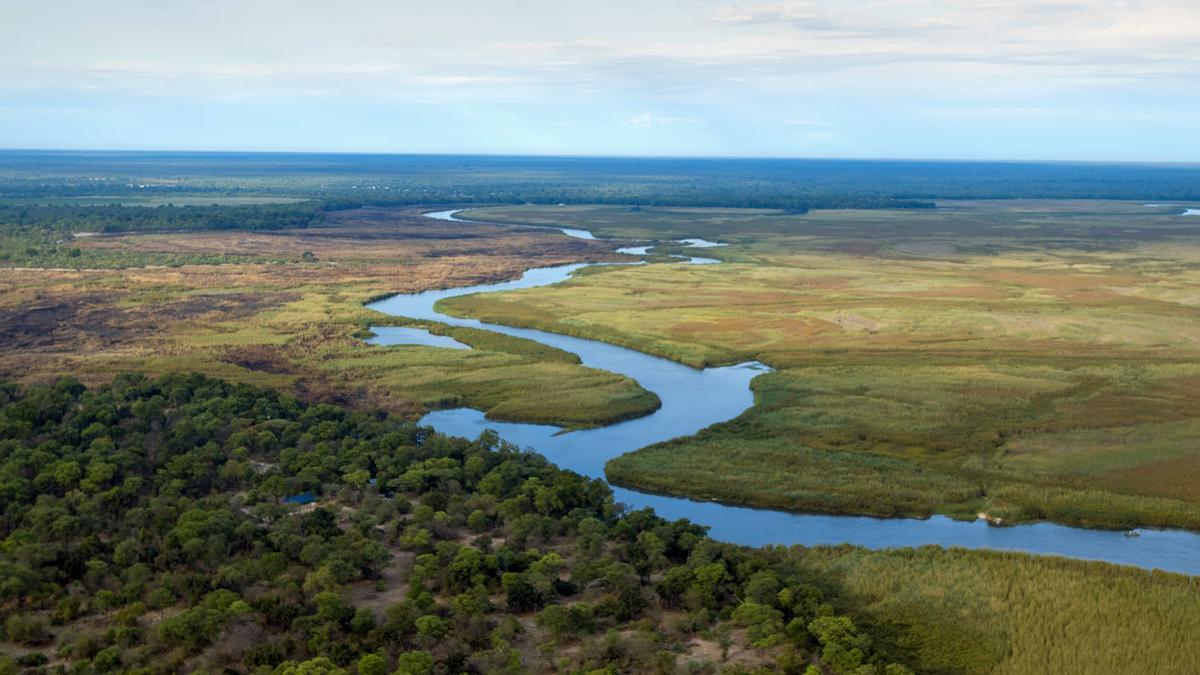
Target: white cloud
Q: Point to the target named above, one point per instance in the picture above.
(674, 47)
(792, 12)
(646, 120)
(715, 69)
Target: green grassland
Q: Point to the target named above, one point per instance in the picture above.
(1005, 225)
(1030, 360)
(958, 611)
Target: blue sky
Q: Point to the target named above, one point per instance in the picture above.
(972, 79)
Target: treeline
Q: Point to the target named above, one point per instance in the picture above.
(408, 179)
(112, 219)
(45, 235)
(148, 527)
(746, 198)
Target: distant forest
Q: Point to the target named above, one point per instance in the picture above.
(343, 180)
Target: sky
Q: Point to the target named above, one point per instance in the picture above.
(962, 79)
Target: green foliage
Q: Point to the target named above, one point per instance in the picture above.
(28, 630)
(372, 664)
(765, 623)
(414, 663)
(842, 647)
(318, 666)
(567, 620)
(40, 235)
(989, 612)
(211, 553)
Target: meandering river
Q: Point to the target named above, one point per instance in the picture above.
(693, 399)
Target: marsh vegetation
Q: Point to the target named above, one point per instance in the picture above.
(1028, 360)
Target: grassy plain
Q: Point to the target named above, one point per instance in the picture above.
(1030, 360)
(958, 611)
(273, 317)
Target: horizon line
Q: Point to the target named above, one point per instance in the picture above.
(394, 153)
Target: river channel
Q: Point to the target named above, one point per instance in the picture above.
(693, 399)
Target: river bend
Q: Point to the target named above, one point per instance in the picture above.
(693, 399)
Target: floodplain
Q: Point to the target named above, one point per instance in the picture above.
(1026, 360)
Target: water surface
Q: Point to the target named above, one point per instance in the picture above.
(403, 335)
(1186, 211)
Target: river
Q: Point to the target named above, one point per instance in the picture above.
(693, 399)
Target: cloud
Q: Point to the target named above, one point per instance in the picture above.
(814, 17)
(726, 69)
(801, 13)
(646, 120)
(934, 23)
(668, 49)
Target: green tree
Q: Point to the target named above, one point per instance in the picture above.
(108, 659)
(414, 663)
(431, 628)
(565, 620)
(706, 583)
(764, 623)
(318, 666)
(842, 647)
(372, 664)
(359, 479)
(521, 594)
(27, 630)
(648, 554)
(160, 599)
(363, 621)
(477, 521)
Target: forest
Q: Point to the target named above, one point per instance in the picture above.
(49, 235)
(792, 184)
(156, 526)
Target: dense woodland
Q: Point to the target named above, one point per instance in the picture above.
(147, 528)
(425, 179)
(45, 235)
(115, 218)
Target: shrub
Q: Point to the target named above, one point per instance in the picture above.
(27, 630)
